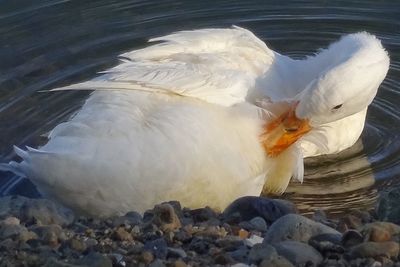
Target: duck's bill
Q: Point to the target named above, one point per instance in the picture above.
(284, 131)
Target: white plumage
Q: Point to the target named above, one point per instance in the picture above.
(189, 119)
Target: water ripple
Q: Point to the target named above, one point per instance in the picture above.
(53, 43)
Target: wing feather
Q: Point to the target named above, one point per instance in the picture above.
(219, 66)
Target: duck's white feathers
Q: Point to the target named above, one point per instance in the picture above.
(182, 123)
(151, 148)
(218, 66)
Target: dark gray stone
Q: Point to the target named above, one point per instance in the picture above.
(375, 249)
(296, 227)
(11, 231)
(298, 253)
(131, 218)
(95, 259)
(351, 238)
(260, 252)
(247, 208)
(241, 254)
(203, 214)
(326, 243)
(157, 263)
(176, 253)
(158, 247)
(276, 262)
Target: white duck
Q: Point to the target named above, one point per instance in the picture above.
(204, 117)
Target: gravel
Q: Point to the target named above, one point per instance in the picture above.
(252, 231)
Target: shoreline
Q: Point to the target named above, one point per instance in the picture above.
(252, 231)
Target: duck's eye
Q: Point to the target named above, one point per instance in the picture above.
(338, 106)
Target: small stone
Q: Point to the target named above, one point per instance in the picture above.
(95, 259)
(122, 235)
(158, 247)
(25, 236)
(243, 234)
(203, 214)
(179, 263)
(223, 259)
(260, 252)
(10, 221)
(326, 243)
(229, 243)
(7, 244)
(241, 254)
(299, 254)
(212, 232)
(199, 245)
(166, 218)
(131, 218)
(157, 263)
(259, 224)
(253, 240)
(239, 265)
(182, 236)
(249, 207)
(77, 245)
(276, 262)
(52, 262)
(147, 257)
(351, 238)
(91, 242)
(117, 260)
(11, 231)
(296, 227)
(176, 253)
(379, 231)
(374, 249)
(50, 234)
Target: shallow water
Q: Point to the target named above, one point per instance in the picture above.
(53, 43)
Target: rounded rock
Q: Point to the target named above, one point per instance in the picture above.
(375, 249)
(249, 207)
(296, 227)
(166, 218)
(298, 253)
(351, 238)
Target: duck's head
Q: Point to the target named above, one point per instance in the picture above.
(343, 89)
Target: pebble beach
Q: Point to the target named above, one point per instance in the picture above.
(252, 231)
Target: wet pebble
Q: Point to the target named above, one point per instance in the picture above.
(121, 234)
(375, 249)
(131, 218)
(165, 217)
(296, 227)
(259, 252)
(351, 238)
(247, 208)
(158, 247)
(298, 253)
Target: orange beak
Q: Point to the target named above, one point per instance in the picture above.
(284, 131)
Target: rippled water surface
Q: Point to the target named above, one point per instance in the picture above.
(45, 44)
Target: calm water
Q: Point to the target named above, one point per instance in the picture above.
(45, 44)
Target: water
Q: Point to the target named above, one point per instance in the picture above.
(46, 44)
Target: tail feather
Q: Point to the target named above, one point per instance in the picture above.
(18, 167)
(13, 167)
(21, 153)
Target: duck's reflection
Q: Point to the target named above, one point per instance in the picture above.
(335, 183)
